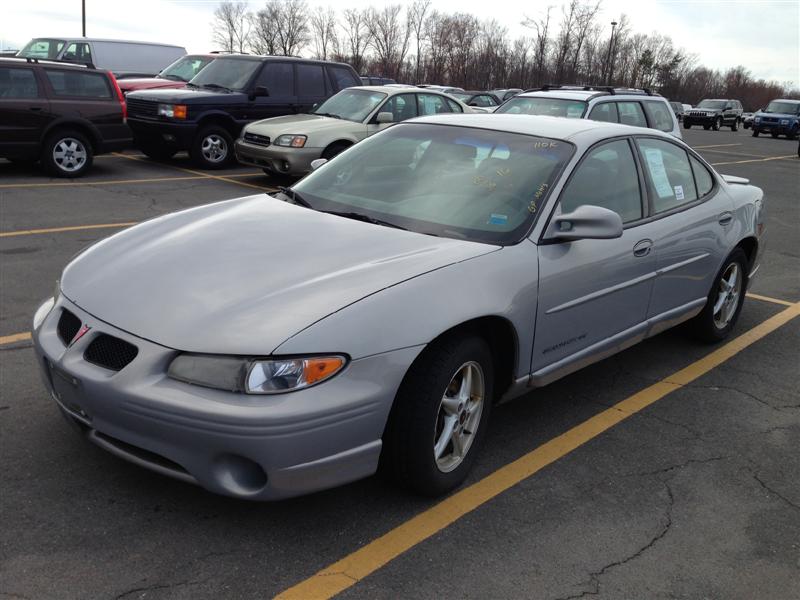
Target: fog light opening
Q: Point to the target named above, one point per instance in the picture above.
(239, 475)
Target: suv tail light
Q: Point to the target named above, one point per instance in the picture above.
(120, 96)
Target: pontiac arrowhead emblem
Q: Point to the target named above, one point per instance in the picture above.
(81, 332)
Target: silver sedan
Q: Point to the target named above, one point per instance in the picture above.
(373, 314)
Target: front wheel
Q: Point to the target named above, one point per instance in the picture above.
(717, 123)
(687, 125)
(706, 127)
(440, 416)
(774, 134)
(755, 132)
(212, 148)
(735, 125)
(725, 300)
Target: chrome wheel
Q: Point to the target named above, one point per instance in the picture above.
(69, 154)
(728, 295)
(459, 416)
(214, 148)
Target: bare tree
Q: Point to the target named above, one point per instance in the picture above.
(264, 36)
(416, 21)
(357, 37)
(323, 26)
(541, 49)
(231, 26)
(390, 36)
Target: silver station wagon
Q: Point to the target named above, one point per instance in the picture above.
(372, 314)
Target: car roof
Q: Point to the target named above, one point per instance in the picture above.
(583, 132)
(785, 100)
(397, 89)
(69, 38)
(270, 57)
(586, 95)
(27, 61)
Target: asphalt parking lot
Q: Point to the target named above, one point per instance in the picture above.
(670, 470)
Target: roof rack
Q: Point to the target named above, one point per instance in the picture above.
(607, 89)
(52, 61)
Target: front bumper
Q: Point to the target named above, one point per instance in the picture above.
(700, 119)
(254, 447)
(163, 133)
(280, 159)
(775, 127)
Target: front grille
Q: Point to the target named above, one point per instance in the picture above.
(258, 140)
(770, 120)
(68, 326)
(110, 352)
(142, 108)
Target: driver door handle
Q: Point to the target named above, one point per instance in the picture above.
(726, 218)
(642, 248)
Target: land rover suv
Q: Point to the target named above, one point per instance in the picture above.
(715, 114)
(208, 114)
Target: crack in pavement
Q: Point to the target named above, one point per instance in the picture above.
(743, 393)
(157, 586)
(773, 492)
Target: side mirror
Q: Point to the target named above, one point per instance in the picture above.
(585, 222)
(385, 117)
(260, 91)
(315, 106)
(317, 163)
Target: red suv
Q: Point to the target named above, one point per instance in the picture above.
(177, 75)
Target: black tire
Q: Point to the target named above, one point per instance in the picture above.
(706, 127)
(333, 150)
(158, 153)
(687, 125)
(75, 151)
(745, 124)
(735, 125)
(212, 148)
(755, 132)
(416, 419)
(717, 123)
(774, 134)
(792, 135)
(703, 326)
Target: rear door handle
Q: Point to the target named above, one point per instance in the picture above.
(642, 248)
(726, 218)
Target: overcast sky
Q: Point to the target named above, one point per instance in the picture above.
(762, 35)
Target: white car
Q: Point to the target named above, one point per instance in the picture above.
(287, 145)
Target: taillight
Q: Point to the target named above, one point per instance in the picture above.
(120, 97)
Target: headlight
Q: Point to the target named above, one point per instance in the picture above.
(784, 121)
(173, 111)
(41, 313)
(254, 376)
(293, 141)
(756, 119)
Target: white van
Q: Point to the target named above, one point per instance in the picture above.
(123, 58)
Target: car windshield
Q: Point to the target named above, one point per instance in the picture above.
(713, 104)
(552, 107)
(184, 69)
(42, 48)
(353, 105)
(785, 108)
(461, 96)
(475, 184)
(230, 73)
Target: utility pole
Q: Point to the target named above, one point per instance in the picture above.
(608, 55)
(83, 16)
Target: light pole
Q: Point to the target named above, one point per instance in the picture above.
(608, 55)
(83, 16)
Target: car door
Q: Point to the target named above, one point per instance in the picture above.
(278, 78)
(594, 293)
(694, 219)
(24, 111)
(312, 87)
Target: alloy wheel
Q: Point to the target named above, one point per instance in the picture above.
(728, 295)
(459, 416)
(214, 148)
(69, 154)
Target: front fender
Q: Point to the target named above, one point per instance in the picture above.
(503, 283)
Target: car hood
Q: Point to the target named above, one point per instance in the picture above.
(187, 95)
(306, 124)
(148, 83)
(777, 115)
(242, 276)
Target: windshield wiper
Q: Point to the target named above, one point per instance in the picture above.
(194, 85)
(294, 196)
(327, 115)
(216, 86)
(362, 217)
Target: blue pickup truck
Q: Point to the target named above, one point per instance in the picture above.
(781, 117)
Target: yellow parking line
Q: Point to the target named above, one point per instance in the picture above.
(61, 229)
(714, 146)
(768, 299)
(737, 162)
(348, 571)
(196, 175)
(16, 337)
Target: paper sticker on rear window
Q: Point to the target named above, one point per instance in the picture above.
(655, 164)
(678, 192)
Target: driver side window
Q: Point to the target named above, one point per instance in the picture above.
(606, 177)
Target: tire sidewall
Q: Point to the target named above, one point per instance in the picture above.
(49, 163)
(706, 328)
(197, 147)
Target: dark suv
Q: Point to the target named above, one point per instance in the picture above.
(714, 114)
(59, 114)
(207, 115)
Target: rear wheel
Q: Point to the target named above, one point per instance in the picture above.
(725, 300)
(212, 148)
(440, 416)
(67, 153)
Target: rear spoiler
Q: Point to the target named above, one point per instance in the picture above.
(735, 180)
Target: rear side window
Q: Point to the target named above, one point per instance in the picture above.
(78, 84)
(402, 107)
(669, 174)
(631, 113)
(607, 177)
(18, 83)
(432, 104)
(278, 78)
(342, 77)
(703, 179)
(454, 106)
(78, 52)
(606, 112)
(310, 80)
(660, 115)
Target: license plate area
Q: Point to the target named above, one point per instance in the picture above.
(68, 392)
